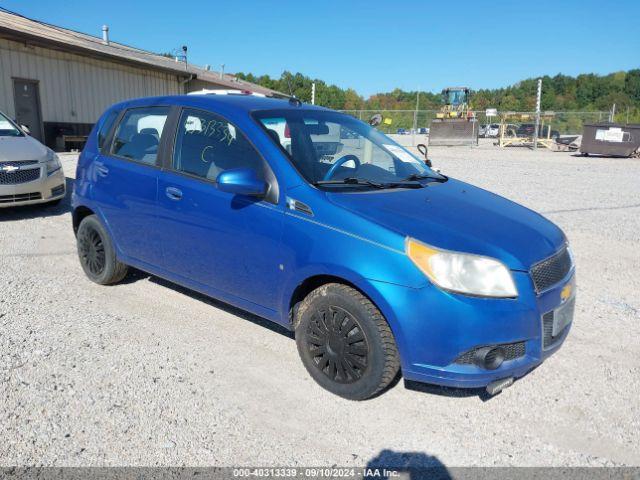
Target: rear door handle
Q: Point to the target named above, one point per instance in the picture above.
(173, 193)
(102, 170)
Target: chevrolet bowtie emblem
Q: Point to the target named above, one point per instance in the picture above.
(9, 168)
(565, 294)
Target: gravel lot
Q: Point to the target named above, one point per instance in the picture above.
(147, 373)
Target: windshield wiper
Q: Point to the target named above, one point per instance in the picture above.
(420, 176)
(350, 181)
(369, 183)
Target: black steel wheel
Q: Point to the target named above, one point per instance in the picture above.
(345, 343)
(96, 253)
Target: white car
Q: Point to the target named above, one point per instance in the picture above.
(29, 172)
(492, 130)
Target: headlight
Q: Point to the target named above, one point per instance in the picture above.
(53, 162)
(462, 272)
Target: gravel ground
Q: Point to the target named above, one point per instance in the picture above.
(147, 373)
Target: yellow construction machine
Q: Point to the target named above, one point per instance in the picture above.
(455, 123)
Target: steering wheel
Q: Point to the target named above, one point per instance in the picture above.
(338, 163)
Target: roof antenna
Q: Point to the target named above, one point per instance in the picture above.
(292, 99)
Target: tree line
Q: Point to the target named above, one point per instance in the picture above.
(586, 92)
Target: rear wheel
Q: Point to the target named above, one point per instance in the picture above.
(96, 253)
(345, 343)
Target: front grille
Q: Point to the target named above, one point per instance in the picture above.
(511, 352)
(19, 176)
(22, 197)
(17, 163)
(547, 273)
(548, 340)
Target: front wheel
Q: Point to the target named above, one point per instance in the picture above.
(345, 343)
(96, 253)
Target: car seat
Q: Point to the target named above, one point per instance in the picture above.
(142, 147)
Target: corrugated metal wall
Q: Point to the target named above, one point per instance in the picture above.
(197, 84)
(73, 88)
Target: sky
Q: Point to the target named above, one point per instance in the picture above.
(371, 46)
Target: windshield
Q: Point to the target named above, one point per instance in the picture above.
(455, 97)
(7, 128)
(328, 146)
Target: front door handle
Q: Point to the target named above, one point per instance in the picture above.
(173, 193)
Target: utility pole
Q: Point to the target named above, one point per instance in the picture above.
(612, 115)
(538, 98)
(313, 93)
(221, 71)
(415, 119)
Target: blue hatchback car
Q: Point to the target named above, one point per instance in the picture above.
(319, 222)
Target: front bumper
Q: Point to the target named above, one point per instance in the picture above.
(46, 188)
(433, 328)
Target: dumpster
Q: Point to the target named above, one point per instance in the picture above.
(610, 139)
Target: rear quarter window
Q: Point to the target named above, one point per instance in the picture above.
(106, 127)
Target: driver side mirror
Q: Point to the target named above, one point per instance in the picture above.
(25, 129)
(242, 181)
(422, 148)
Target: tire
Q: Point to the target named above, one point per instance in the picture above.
(96, 253)
(345, 343)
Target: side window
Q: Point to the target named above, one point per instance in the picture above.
(139, 132)
(105, 128)
(207, 145)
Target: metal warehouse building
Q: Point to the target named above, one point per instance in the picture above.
(57, 82)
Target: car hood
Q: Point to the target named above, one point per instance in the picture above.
(21, 148)
(458, 216)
